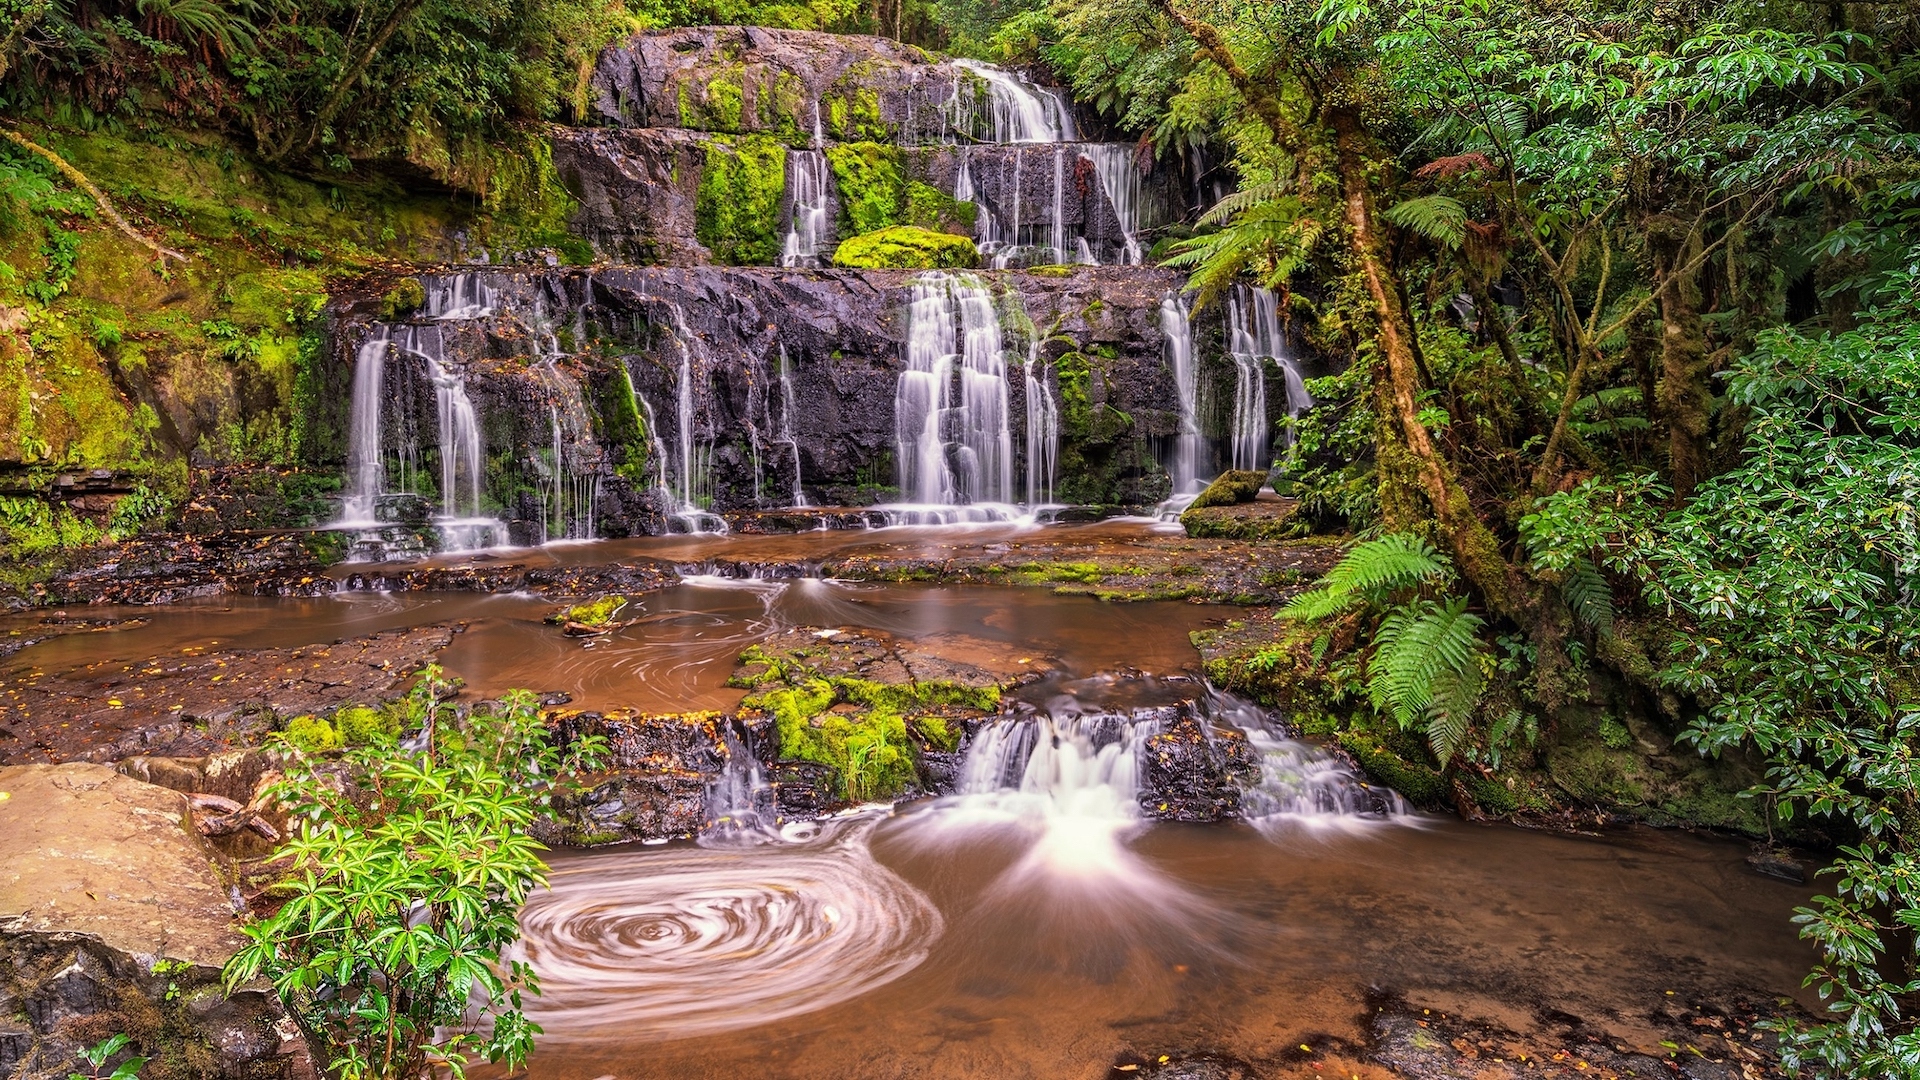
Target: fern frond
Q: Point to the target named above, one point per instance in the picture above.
(1416, 644)
(1589, 597)
(1455, 694)
(1242, 200)
(1440, 218)
(1373, 569)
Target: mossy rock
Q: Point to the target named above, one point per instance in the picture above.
(737, 210)
(1262, 520)
(1229, 488)
(1419, 782)
(406, 297)
(870, 183)
(904, 247)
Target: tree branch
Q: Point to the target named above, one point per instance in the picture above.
(99, 197)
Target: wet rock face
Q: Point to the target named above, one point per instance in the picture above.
(741, 80)
(129, 938)
(1192, 771)
(844, 336)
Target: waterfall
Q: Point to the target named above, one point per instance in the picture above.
(462, 523)
(366, 466)
(570, 476)
(740, 806)
(1250, 429)
(693, 460)
(809, 226)
(1302, 784)
(1253, 322)
(1119, 172)
(786, 427)
(459, 296)
(1184, 466)
(1020, 112)
(1059, 234)
(953, 455)
(1043, 432)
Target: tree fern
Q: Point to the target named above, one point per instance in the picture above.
(1589, 597)
(1371, 570)
(1440, 218)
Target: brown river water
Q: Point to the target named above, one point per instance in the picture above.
(1033, 925)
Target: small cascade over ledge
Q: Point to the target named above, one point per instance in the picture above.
(1254, 339)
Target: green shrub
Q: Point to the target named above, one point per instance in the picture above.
(390, 952)
(361, 726)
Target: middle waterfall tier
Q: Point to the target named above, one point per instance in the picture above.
(558, 404)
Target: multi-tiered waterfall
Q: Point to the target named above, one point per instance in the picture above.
(558, 403)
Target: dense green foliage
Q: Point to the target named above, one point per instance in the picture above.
(412, 865)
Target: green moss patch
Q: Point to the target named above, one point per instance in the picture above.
(904, 247)
(737, 212)
(870, 183)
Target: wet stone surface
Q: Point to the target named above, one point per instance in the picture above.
(195, 700)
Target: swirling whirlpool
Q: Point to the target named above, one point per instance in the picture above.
(675, 942)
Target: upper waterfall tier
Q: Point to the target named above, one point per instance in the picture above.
(752, 147)
(739, 80)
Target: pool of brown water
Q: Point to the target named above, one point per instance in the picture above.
(901, 945)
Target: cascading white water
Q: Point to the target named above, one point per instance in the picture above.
(786, 428)
(1043, 432)
(366, 463)
(810, 226)
(570, 476)
(739, 801)
(692, 459)
(1183, 466)
(462, 522)
(1251, 432)
(1020, 112)
(956, 462)
(1253, 327)
(1117, 167)
(459, 296)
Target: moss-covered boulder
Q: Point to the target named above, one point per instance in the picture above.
(1233, 486)
(737, 211)
(1267, 518)
(406, 297)
(904, 247)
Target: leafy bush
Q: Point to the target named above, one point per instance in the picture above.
(1793, 578)
(412, 867)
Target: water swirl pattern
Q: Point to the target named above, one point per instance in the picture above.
(693, 941)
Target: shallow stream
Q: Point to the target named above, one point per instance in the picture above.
(1034, 924)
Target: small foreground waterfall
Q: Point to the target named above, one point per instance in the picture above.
(811, 226)
(1183, 465)
(1253, 337)
(956, 459)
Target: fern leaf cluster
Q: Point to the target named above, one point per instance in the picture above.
(1371, 571)
(1426, 667)
(1589, 597)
